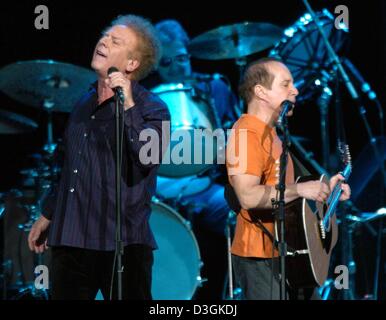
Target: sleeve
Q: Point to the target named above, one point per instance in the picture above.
(48, 202)
(244, 153)
(147, 127)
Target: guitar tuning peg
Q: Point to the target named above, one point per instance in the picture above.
(348, 154)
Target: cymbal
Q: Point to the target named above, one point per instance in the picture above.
(46, 84)
(235, 41)
(12, 123)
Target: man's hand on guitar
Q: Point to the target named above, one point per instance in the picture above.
(313, 190)
(346, 191)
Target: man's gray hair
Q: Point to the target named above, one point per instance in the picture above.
(149, 46)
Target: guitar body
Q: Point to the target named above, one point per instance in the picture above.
(309, 266)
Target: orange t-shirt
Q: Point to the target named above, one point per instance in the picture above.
(254, 148)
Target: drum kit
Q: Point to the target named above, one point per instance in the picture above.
(53, 87)
(47, 86)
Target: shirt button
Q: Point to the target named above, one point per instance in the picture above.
(92, 117)
(85, 135)
(76, 171)
(79, 152)
(72, 190)
(132, 140)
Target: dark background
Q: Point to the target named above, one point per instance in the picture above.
(74, 28)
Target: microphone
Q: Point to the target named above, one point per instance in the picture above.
(286, 106)
(118, 90)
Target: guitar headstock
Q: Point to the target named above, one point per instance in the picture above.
(344, 151)
(345, 155)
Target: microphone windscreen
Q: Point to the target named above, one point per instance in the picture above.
(111, 70)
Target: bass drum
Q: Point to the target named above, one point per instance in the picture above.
(177, 262)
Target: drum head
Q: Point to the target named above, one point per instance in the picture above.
(172, 188)
(177, 262)
(192, 149)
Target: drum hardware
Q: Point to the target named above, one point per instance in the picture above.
(233, 293)
(31, 293)
(2, 207)
(52, 87)
(20, 212)
(12, 123)
(306, 56)
(47, 85)
(309, 49)
(6, 270)
(365, 218)
(34, 214)
(208, 96)
(351, 222)
(304, 52)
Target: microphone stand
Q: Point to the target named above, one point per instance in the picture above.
(119, 249)
(280, 205)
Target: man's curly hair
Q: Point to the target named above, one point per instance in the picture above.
(149, 46)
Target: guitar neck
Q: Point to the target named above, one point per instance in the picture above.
(333, 200)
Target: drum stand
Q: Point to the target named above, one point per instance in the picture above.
(241, 64)
(323, 103)
(233, 293)
(34, 210)
(347, 255)
(50, 145)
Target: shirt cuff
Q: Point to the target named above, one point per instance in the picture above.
(47, 212)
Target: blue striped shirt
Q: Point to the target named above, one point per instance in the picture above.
(82, 206)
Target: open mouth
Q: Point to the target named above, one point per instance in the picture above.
(101, 54)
